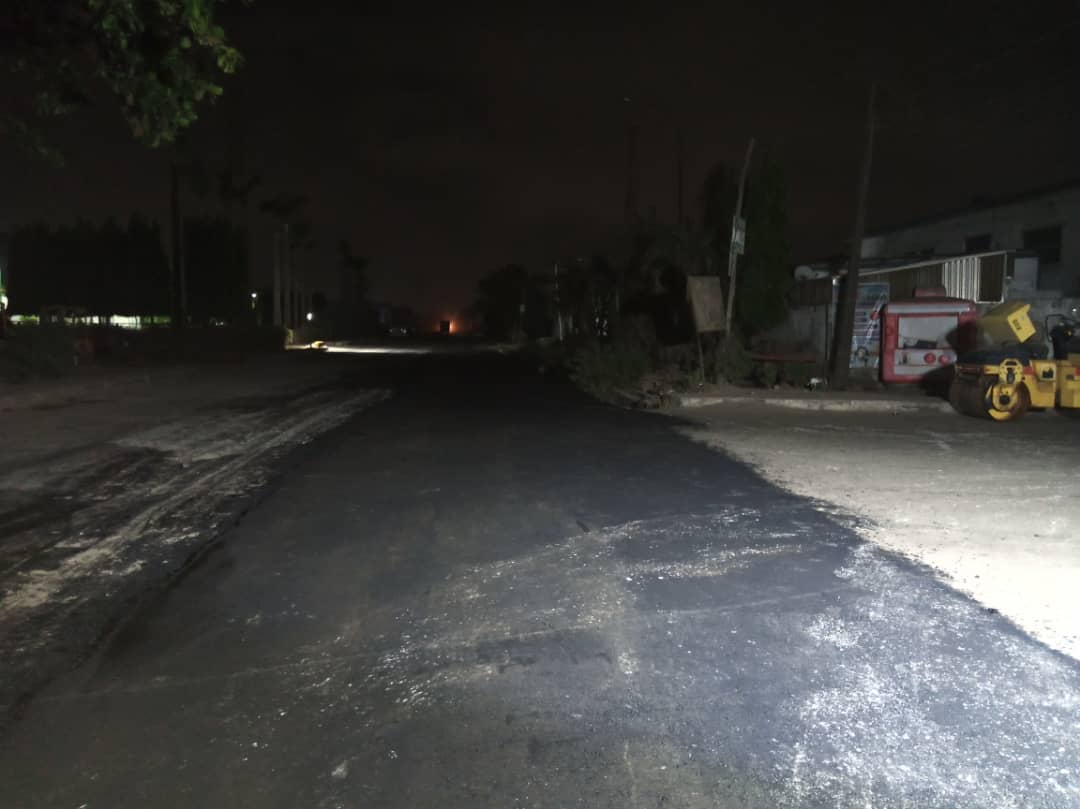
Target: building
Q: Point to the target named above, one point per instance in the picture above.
(1023, 247)
(1043, 222)
(986, 278)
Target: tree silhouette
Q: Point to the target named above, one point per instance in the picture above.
(765, 275)
(106, 270)
(159, 59)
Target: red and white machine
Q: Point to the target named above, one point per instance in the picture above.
(925, 334)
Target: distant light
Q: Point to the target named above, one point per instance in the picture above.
(254, 295)
(378, 350)
(310, 316)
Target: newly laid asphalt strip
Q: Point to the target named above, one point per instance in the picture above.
(491, 591)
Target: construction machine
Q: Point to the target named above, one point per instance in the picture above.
(1019, 372)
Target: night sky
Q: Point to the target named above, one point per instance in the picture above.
(444, 141)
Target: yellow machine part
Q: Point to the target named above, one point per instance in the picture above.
(1069, 382)
(1043, 384)
(1008, 322)
(998, 392)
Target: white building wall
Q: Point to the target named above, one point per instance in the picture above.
(1006, 225)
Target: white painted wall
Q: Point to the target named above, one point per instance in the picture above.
(1006, 225)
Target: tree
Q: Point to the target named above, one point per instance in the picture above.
(106, 270)
(215, 250)
(354, 268)
(512, 304)
(355, 317)
(676, 252)
(588, 295)
(765, 273)
(157, 59)
(718, 206)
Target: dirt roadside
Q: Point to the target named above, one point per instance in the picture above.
(112, 489)
(992, 508)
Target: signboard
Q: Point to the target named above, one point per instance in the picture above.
(738, 235)
(706, 296)
(866, 337)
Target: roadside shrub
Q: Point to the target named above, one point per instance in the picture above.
(605, 369)
(731, 360)
(799, 374)
(678, 366)
(37, 351)
(767, 374)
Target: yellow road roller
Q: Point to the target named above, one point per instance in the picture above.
(1005, 381)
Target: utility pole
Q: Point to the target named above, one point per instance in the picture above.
(845, 315)
(680, 158)
(558, 306)
(738, 229)
(277, 278)
(286, 271)
(631, 205)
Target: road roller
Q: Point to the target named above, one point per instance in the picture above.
(1019, 372)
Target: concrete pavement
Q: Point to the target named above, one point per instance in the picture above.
(490, 591)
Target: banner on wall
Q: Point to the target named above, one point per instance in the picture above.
(866, 337)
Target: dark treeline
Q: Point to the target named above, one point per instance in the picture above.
(113, 269)
(106, 269)
(216, 256)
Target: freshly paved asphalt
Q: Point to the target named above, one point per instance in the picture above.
(491, 591)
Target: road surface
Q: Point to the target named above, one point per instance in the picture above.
(491, 591)
(993, 508)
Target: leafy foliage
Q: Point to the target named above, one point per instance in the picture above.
(513, 304)
(604, 369)
(216, 255)
(731, 361)
(158, 59)
(718, 195)
(587, 292)
(765, 273)
(688, 249)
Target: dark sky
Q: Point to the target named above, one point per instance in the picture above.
(444, 141)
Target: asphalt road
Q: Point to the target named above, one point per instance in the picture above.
(490, 591)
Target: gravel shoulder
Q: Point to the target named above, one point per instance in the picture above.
(992, 508)
(113, 487)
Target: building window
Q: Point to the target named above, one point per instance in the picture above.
(977, 244)
(1046, 243)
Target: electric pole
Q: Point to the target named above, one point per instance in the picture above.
(278, 319)
(738, 237)
(286, 272)
(845, 315)
(631, 205)
(680, 159)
